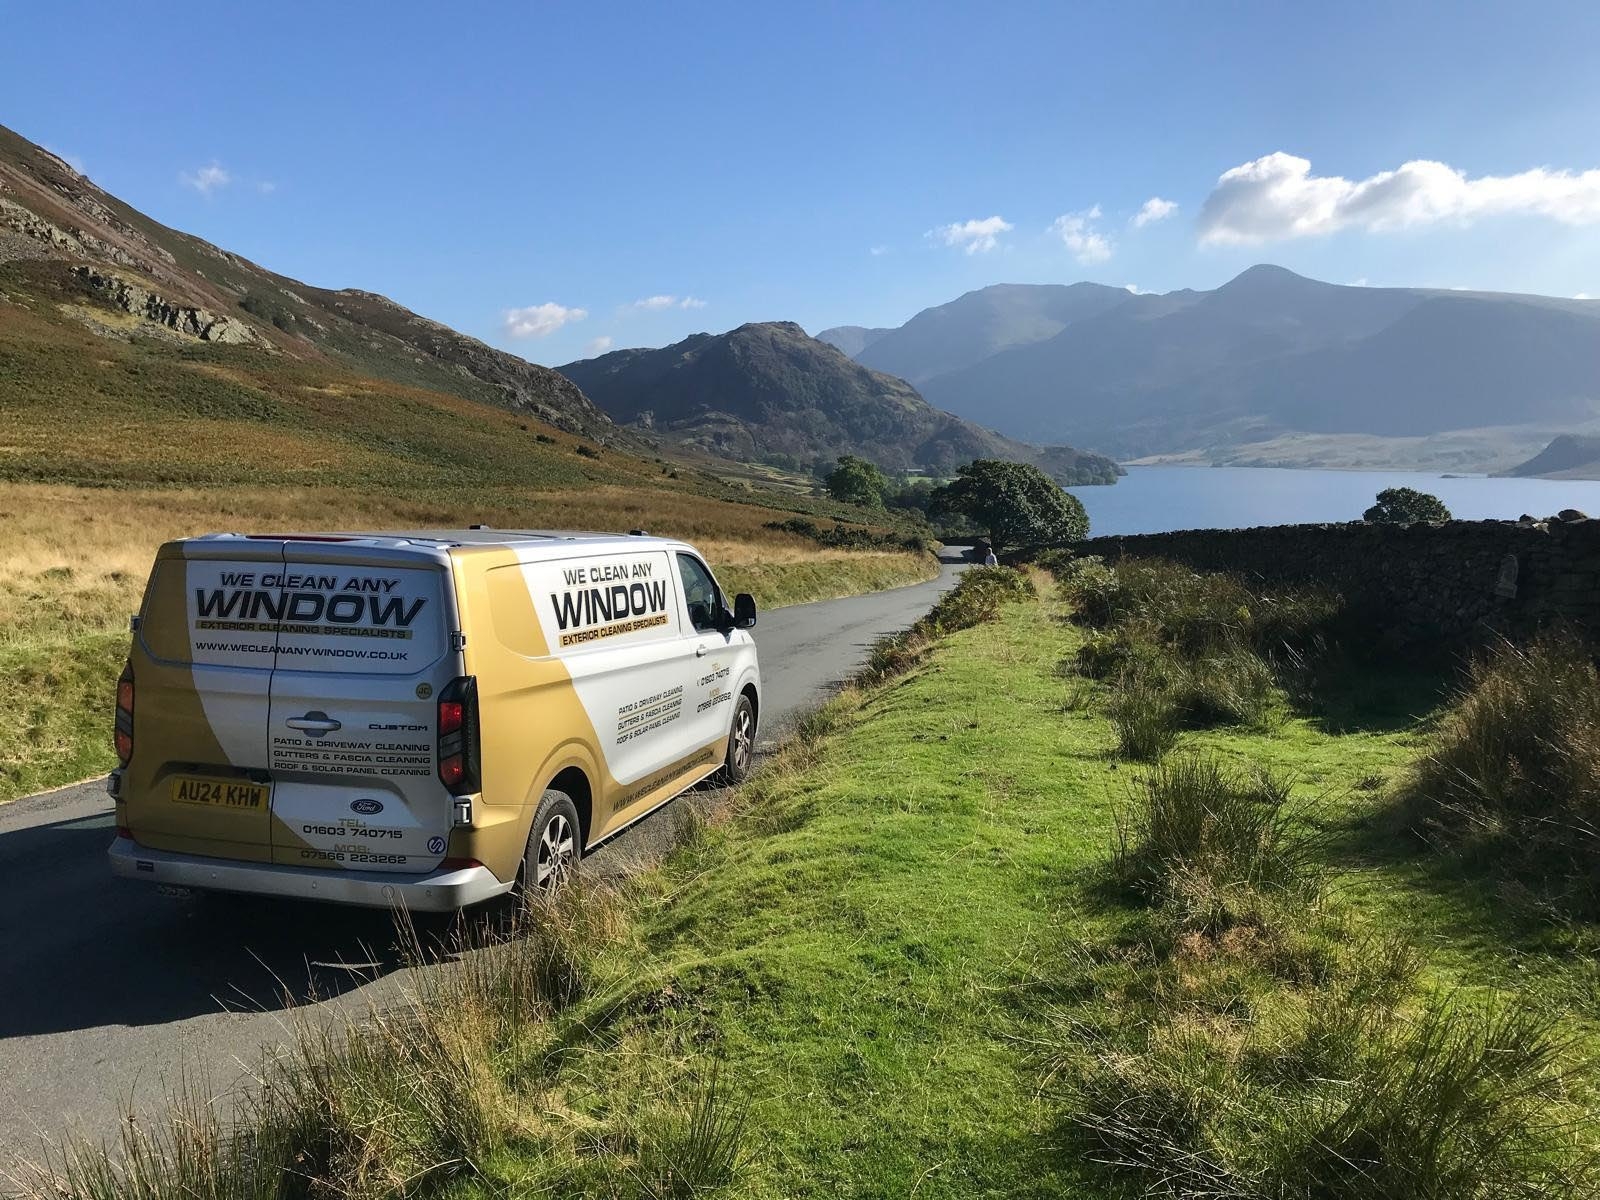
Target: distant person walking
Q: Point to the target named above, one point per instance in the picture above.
(989, 560)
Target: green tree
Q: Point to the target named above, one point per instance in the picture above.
(1405, 506)
(857, 481)
(1017, 503)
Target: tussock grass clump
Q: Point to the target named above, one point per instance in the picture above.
(1144, 717)
(1342, 1098)
(1513, 774)
(1204, 843)
(1187, 649)
(1198, 612)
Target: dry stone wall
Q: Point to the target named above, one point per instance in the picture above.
(1460, 580)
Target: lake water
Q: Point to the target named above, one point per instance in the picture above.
(1156, 499)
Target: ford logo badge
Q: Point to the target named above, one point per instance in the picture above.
(366, 807)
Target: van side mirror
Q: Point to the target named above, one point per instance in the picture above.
(744, 610)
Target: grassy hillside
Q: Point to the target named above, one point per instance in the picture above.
(176, 285)
(956, 943)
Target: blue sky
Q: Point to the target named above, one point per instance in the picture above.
(501, 168)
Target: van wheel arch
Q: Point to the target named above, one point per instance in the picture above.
(575, 784)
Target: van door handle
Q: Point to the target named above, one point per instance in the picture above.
(700, 651)
(310, 724)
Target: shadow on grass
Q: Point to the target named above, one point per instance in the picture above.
(1460, 898)
(1344, 692)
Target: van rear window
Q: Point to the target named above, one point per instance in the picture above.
(375, 619)
(311, 617)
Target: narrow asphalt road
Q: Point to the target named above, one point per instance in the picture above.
(112, 995)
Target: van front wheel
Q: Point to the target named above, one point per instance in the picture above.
(555, 843)
(741, 743)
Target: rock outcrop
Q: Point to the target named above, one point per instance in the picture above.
(197, 322)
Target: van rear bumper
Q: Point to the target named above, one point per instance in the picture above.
(437, 891)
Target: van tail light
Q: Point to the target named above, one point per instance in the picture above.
(123, 732)
(458, 735)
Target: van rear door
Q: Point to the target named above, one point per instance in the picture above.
(364, 651)
(203, 660)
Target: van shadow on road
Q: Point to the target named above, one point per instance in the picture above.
(83, 950)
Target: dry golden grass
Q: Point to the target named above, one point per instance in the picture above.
(73, 560)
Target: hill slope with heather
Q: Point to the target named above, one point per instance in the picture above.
(767, 391)
(83, 239)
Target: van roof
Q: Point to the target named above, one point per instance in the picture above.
(437, 540)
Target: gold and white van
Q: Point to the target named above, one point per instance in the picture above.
(418, 719)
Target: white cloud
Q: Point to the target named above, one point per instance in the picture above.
(266, 187)
(1583, 296)
(972, 237)
(661, 303)
(1077, 232)
(1153, 210)
(1278, 197)
(598, 345)
(540, 320)
(878, 251)
(207, 179)
(1134, 289)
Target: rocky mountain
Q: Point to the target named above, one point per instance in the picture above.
(1268, 358)
(768, 392)
(79, 240)
(1570, 456)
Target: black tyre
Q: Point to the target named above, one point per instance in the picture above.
(555, 843)
(741, 743)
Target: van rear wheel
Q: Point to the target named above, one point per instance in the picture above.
(555, 843)
(741, 743)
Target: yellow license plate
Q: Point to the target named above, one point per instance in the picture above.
(219, 793)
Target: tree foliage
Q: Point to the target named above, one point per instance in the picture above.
(1405, 506)
(1018, 504)
(857, 481)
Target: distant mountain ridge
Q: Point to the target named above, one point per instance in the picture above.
(1570, 456)
(979, 324)
(1268, 356)
(767, 391)
(52, 215)
(852, 339)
